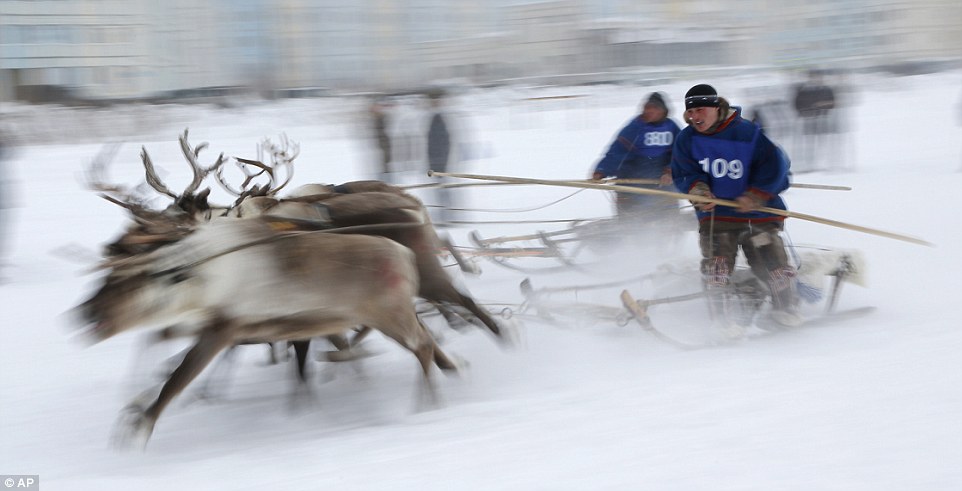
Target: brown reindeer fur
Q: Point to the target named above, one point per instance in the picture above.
(239, 280)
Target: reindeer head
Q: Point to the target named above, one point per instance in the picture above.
(189, 201)
(162, 287)
(151, 228)
(107, 312)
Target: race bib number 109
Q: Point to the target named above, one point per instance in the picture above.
(720, 168)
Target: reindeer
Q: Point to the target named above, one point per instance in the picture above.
(366, 207)
(371, 207)
(189, 209)
(235, 280)
(377, 212)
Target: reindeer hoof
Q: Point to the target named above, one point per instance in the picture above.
(456, 367)
(427, 399)
(132, 430)
(510, 336)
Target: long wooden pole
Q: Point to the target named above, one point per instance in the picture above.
(690, 197)
(824, 187)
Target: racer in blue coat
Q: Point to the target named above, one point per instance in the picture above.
(721, 155)
(642, 150)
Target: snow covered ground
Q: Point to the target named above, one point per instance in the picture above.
(868, 404)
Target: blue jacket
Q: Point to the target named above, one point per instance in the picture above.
(736, 159)
(641, 150)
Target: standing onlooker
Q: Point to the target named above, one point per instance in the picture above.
(814, 102)
(722, 155)
(843, 145)
(642, 150)
(439, 152)
(379, 125)
(960, 119)
(406, 129)
(772, 113)
(4, 198)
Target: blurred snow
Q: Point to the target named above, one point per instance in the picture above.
(869, 404)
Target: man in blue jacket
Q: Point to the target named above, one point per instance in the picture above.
(642, 150)
(721, 155)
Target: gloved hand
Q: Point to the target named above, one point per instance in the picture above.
(701, 189)
(665, 180)
(750, 201)
(597, 176)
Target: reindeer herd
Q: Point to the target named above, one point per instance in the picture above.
(324, 261)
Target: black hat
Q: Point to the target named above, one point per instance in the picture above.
(657, 99)
(701, 95)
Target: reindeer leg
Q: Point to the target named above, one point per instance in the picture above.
(507, 334)
(407, 330)
(444, 362)
(448, 293)
(427, 392)
(454, 320)
(140, 422)
(339, 341)
(482, 315)
(301, 349)
(347, 350)
(361, 334)
(440, 358)
(303, 396)
(272, 351)
(223, 366)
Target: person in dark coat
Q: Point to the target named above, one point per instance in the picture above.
(814, 103)
(5, 145)
(379, 126)
(721, 155)
(439, 154)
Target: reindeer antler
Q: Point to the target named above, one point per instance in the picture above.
(152, 179)
(95, 173)
(282, 156)
(199, 172)
(191, 155)
(95, 178)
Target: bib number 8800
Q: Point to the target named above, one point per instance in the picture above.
(719, 168)
(658, 139)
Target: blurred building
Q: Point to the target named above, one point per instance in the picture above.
(64, 49)
(116, 49)
(863, 33)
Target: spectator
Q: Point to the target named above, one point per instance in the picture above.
(379, 125)
(814, 102)
(5, 150)
(439, 154)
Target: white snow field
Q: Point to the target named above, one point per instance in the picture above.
(873, 403)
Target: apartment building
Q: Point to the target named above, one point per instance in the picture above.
(110, 49)
(92, 49)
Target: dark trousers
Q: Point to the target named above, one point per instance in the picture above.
(764, 250)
